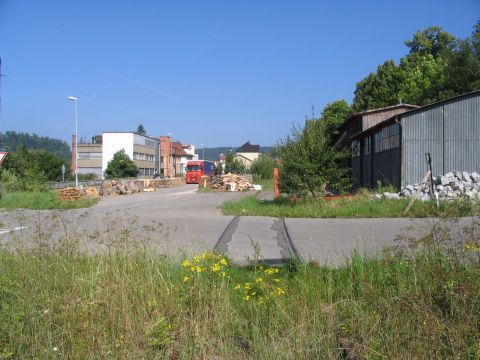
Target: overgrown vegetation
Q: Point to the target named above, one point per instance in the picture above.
(312, 157)
(262, 167)
(43, 200)
(27, 170)
(128, 303)
(359, 206)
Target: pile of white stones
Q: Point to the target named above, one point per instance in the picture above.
(453, 185)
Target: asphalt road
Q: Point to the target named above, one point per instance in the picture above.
(180, 222)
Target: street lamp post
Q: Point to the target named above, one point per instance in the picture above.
(74, 99)
(170, 158)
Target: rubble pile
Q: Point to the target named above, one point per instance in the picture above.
(119, 187)
(453, 185)
(230, 182)
(69, 194)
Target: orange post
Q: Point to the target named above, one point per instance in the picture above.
(276, 191)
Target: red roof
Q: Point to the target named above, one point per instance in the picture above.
(178, 149)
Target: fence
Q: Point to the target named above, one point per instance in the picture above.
(65, 184)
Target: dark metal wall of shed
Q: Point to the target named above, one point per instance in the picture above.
(422, 132)
(449, 131)
(373, 168)
(462, 135)
(386, 168)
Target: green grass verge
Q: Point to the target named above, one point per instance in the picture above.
(361, 206)
(132, 306)
(47, 200)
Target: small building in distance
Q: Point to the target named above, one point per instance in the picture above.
(181, 155)
(247, 153)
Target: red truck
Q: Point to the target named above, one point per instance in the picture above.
(196, 169)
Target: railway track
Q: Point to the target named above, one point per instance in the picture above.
(265, 239)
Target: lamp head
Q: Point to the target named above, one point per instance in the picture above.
(73, 98)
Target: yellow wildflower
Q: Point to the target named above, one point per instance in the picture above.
(238, 286)
(186, 278)
(247, 286)
(186, 263)
(224, 262)
(246, 298)
(215, 267)
(258, 280)
(276, 280)
(280, 291)
(223, 273)
(271, 271)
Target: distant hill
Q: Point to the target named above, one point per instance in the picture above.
(214, 152)
(11, 140)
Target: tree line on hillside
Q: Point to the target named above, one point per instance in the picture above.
(12, 140)
(438, 66)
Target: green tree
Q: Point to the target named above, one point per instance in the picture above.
(262, 167)
(50, 164)
(141, 130)
(432, 41)
(464, 66)
(379, 89)
(311, 158)
(334, 115)
(422, 79)
(121, 166)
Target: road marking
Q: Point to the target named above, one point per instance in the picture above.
(6, 231)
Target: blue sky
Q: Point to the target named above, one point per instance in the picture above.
(211, 72)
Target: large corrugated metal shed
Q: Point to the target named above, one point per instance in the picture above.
(449, 130)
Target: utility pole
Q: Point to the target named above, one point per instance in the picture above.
(1, 75)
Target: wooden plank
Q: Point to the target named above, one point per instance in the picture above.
(414, 197)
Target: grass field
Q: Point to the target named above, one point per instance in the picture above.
(128, 304)
(45, 200)
(361, 206)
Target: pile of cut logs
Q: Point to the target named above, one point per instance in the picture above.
(116, 187)
(69, 194)
(230, 182)
(91, 191)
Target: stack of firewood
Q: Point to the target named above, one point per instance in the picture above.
(230, 182)
(69, 194)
